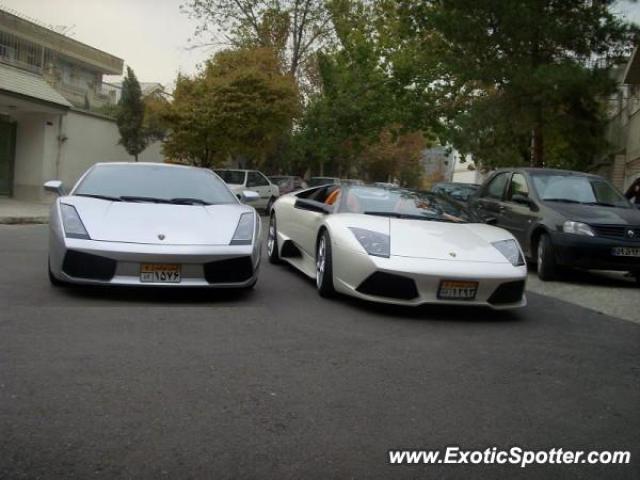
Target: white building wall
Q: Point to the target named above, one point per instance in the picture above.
(30, 147)
(54, 146)
(91, 139)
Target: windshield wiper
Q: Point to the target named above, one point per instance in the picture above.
(602, 204)
(101, 197)
(563, 200)
(128, 198)
(408, 216)
(189, 201)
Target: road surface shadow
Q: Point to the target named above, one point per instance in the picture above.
(159, 295)
(596, 278)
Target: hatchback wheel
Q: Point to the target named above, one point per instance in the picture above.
(324, 266)
(547, 268)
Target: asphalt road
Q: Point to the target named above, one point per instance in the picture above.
(279, 383)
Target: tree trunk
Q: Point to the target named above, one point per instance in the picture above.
(537, 147)
(136, 157)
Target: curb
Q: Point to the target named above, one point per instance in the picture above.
(24, 220)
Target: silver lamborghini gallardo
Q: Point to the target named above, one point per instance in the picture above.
(152, 224)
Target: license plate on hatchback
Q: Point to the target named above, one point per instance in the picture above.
(625, 251)
(160, 273)
(457, 290)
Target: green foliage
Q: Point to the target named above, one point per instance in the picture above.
(515, 82)
(130, 116)
(355, 102)
(155, 108)
(237, 107)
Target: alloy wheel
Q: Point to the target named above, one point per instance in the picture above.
(271, 239)
(321, 261)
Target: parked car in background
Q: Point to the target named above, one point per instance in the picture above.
(317, 181)
(386, 184)
(461, 192)
(240, 180)
(288, 183)
(563, 218)
(351, 181)
(149, 224)
(396, 246)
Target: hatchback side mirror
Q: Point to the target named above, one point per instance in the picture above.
(55, 186)
(523, 200)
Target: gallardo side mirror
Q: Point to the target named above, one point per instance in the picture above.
(55, 186)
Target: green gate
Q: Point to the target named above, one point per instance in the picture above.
(7, 152)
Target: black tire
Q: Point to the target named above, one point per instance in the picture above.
(272, 241)
(546, 259)
(53, 280)
(324, 266)
(270, 205)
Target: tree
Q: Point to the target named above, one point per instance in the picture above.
(156, 106)
(130, 116)
(237, 107)
(293, 28)
(515, 82)
(395, 156)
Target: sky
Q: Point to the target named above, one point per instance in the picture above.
(151, 36)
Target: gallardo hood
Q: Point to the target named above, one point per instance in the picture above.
(144, 222)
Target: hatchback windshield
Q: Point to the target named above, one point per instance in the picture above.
(577, 189)
(161, 184)
(232, 177)
(401, 203)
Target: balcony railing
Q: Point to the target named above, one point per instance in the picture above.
(21, 65)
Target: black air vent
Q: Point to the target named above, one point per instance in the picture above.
(232, 270)
(89, 266)
(510, 292)
(381, 284)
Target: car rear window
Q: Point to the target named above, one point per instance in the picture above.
(233, 177)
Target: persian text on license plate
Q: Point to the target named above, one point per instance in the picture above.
(457, 290)
(160, 273)
(625, 251)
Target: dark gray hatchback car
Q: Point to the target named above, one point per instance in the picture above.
(563, 218)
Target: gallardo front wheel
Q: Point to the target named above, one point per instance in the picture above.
(324, 266)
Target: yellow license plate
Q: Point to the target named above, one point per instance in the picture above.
(457, 290)
(160, 273)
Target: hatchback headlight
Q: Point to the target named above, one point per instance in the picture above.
(511, 251)
(244, 231)
(73, 226)
(577, 228)
(375, 243)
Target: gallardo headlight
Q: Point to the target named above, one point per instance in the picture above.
(244, 230)
(511, 251)
(577, 228)
(73, 226)
(374, 243)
